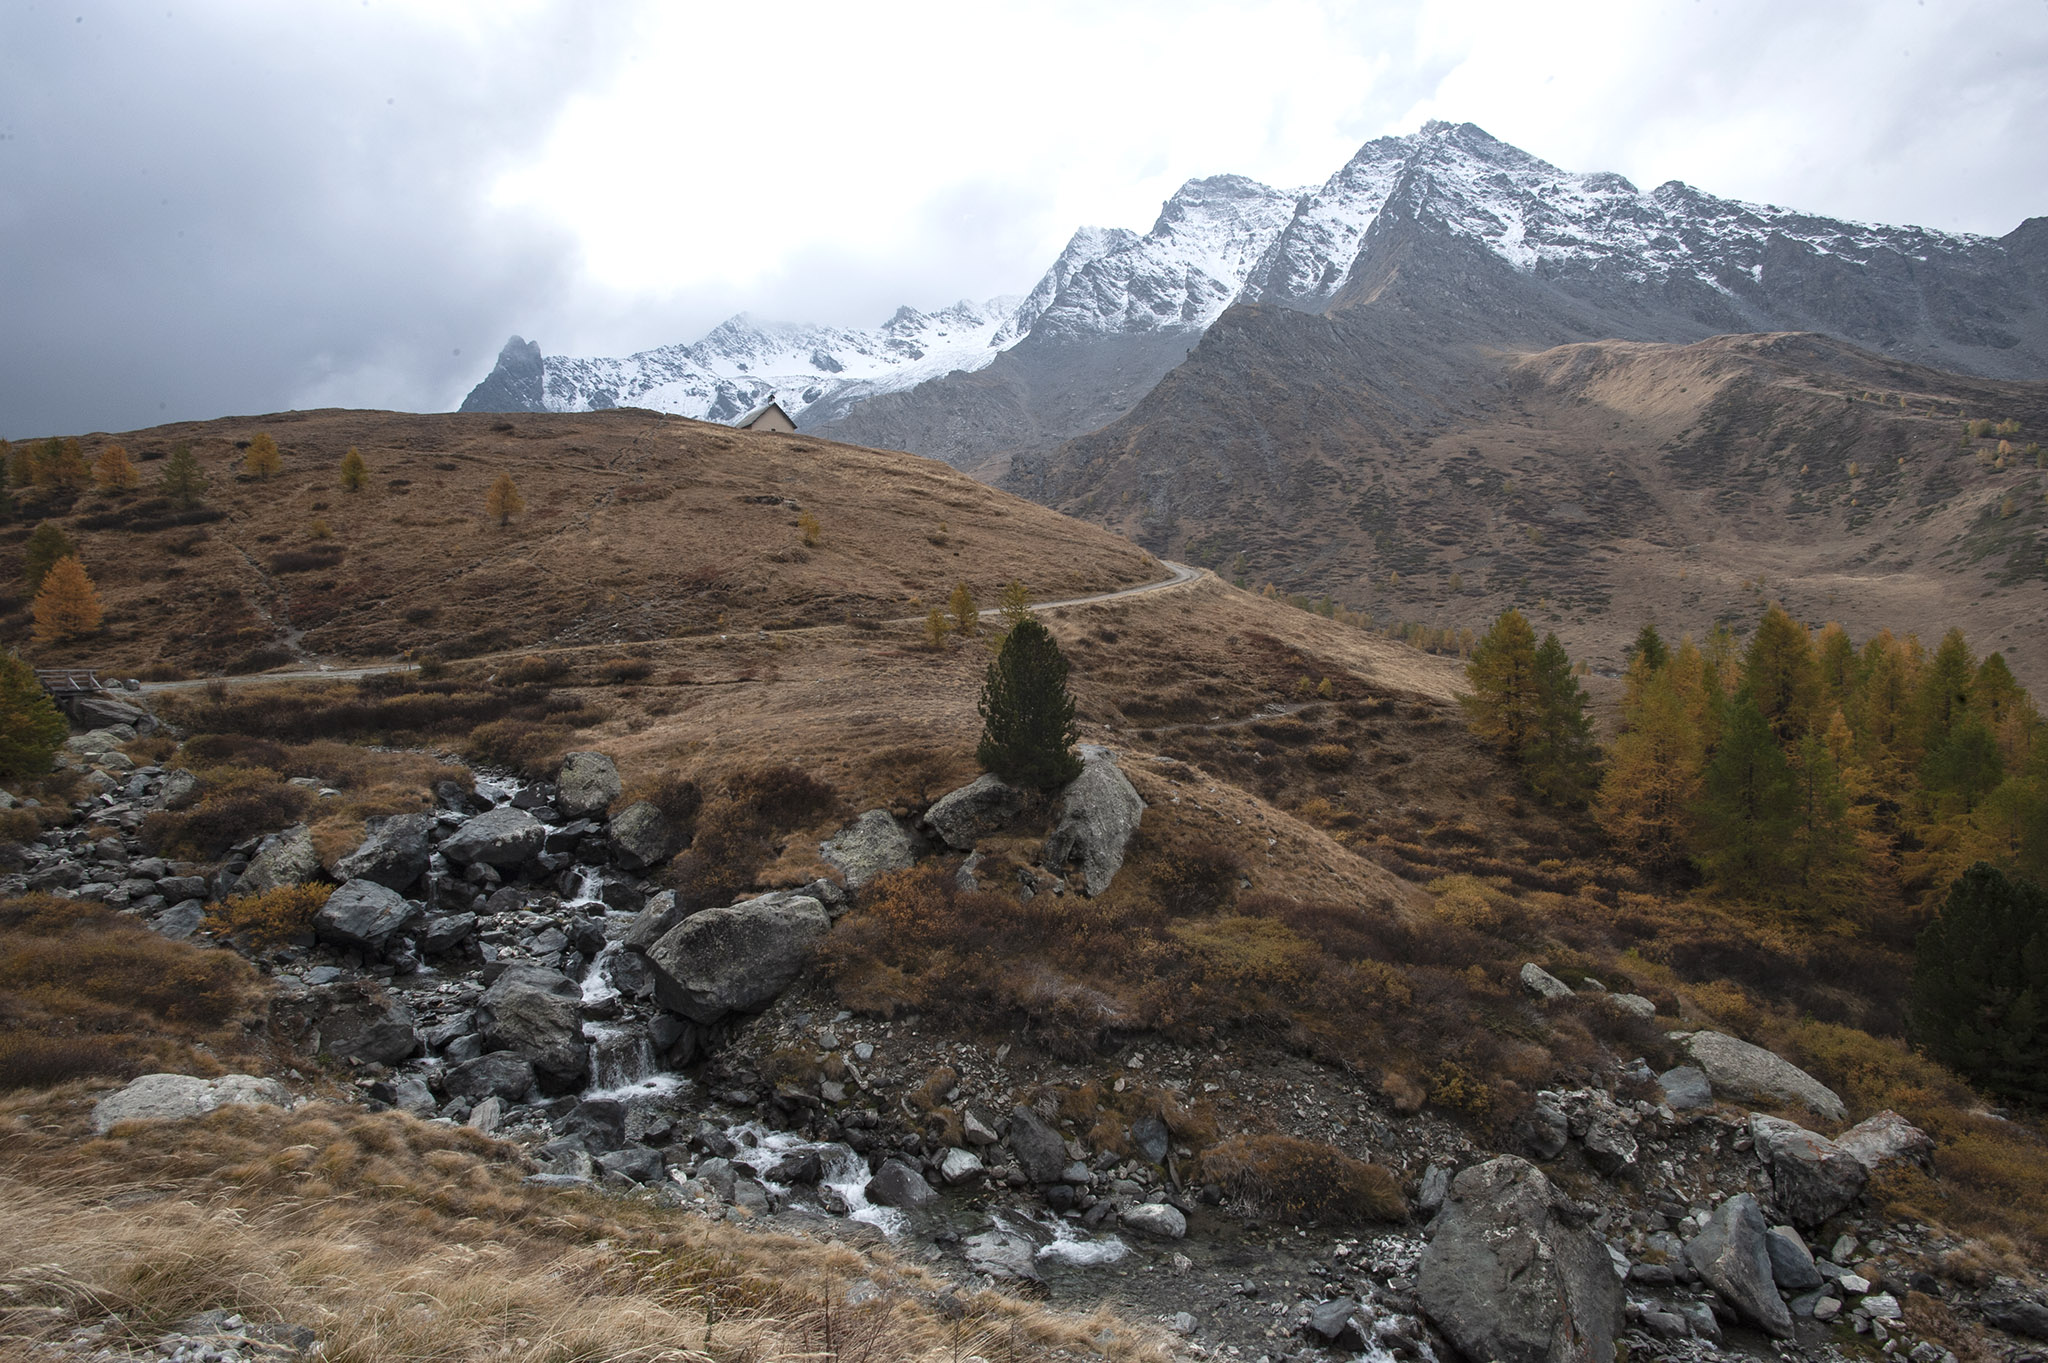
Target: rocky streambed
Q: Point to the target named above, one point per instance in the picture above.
(504, 961)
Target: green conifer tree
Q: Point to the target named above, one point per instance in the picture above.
(1562, 758)
(31, 728)
(1748, 808)
(1979, 1001)
(182, 479)
(1028, 733)
(46, 544)
(1779, 674)
(1945, 689)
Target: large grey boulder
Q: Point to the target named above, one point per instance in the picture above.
(1732, 1253)
(180, 788)
(538, 1013)
(394, 851)
(102, 712)
(1003, 1255)
(1755, 1075)
(1813, 1177)
(1886, 1139)
(643, 836)
(507, 1075)
(362, 914)
(898, 1185)
(1507, 1277)
(586, 785)
(172, 1097)
(1040, 1152)
(1686, 1087)
(1099, 812)
(285, 858)
(736, 959)
(1157, 1220)
(1542, 983)
(986, 805)
(871, 845)
(1792, 1266)
(653, 922)
(362, 1022)
(499, 837)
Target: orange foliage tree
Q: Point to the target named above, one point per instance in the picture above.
(67, 606)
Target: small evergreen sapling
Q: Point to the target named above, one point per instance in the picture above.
(1028, 733)
(31, 728)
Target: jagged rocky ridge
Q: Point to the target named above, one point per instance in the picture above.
(1118, 309)
(521, 992)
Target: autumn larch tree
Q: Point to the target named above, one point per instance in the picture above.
(1780, 676)
(503, 500)
(1653, 770)
(936, 629)
(263, 460)
(113, 472)
(1028, 735)
(966, 619)
(355, 474)
(67, 606)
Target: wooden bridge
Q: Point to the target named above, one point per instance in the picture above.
(65, 682)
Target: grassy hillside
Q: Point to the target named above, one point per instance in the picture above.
(636, 527)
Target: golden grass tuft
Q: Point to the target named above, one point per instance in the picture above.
(1291, 1179)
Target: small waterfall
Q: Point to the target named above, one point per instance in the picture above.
(588, 881)
(622, 1062)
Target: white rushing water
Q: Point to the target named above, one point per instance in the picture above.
(1071, 1245)
(845, 1173)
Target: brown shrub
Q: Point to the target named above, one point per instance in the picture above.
(534, 750)
(675, 795)
(1197, 878)
(1291, 1179)
(1285, 729)
(784, 797)
(533, 670)
(1329, 756)
(271, 918)
(235, 803)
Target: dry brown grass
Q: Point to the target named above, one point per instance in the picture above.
(1298, 1180)
(415, 564)
(395, 1239)
(86, 991)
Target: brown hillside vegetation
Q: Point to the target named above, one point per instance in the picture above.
(1595, 486)
(636, 526)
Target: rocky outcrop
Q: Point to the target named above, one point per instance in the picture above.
(1099, 812)
(872, 845)
(1509, 1276)
(586, 785)
(1755, 1075)
(1813, 1177)
(363, 914)
(172, 1097)
(537, 1012)
(737, 959)
(285, 858)
(1732, 1254)
(394, 852)
(984, 806)
(502, 837)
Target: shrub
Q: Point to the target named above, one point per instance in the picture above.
(534, 669)
(311, 559)
(807, 525)
(785, 797)
(237, 803)
(1329, 756)
(1197, 879)
(1290, 1179)
(675, 795)
(1286, 729)
(534, 750)
(271, 918)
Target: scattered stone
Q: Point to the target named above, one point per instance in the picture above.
(1542, 983)
(1756, 1075)
(181, 920)
(986, 805)
(1151, 1139)
(868, 847)
(1160, 1220)
(488, 1114)
(1827, 1308)
(737, 959)
(180, 789)
(536, 1012)
(99, 711)
(500, 837)
(898, 1185)
(1733, 1255)
(1003, 1255)
(1435, 1186)
(446, 931)
(1792, 1266)
(1635, 1005)
(1886, 1139)
(644, 837)
(586, 785)
(506, 1075)
(285, 858)
(972, 1123)
(1336, 1324)
(362, 913)
(1099, 813)
(352, 1021)
(173, 1097)
(1040, 1152)
(960, 1166)
(1814, 1178)
(1686, 1088)
(1506, 1277)
(1548, 1130)
(1881, 1306)
(635, 1162)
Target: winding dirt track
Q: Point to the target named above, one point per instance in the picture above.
(1178, 575)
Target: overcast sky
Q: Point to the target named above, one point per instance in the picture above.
(215, 208)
